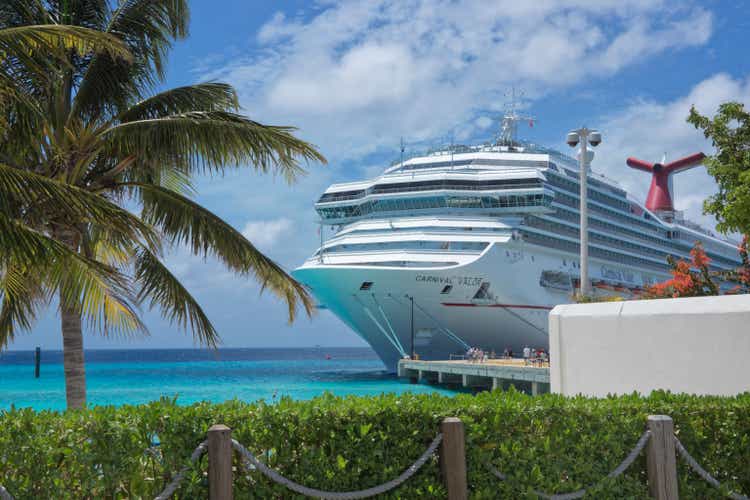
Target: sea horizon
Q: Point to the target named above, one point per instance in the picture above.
(135, 376)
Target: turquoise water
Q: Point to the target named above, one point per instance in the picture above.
(138, 376)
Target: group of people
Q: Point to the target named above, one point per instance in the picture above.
(476, 355)
(531, 356)
(535, 356)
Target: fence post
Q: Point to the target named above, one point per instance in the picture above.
(660, 458)
(453, 458)
(220, 462)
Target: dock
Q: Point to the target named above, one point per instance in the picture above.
(488, 374)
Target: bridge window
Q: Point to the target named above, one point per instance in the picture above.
(366, 285)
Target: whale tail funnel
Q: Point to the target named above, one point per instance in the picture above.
(659, 194)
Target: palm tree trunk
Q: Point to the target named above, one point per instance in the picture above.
(75, 369)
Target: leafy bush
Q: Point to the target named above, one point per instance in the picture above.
(549, 443)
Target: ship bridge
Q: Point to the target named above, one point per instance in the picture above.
(483, 182)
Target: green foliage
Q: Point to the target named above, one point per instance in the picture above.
(729, 132)
(86, 141)
(548, 443)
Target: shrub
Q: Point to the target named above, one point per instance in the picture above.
(549, 442)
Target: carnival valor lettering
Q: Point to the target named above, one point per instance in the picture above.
(453, 280)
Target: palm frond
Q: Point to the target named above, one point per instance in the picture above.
(211, 96)
(21, 295)
(208, 141)
(187, 223)
(26, 42)
(32, 193)
(148, 28)
(163, 290)
(31, 55)
(100, 292)
(23, 12)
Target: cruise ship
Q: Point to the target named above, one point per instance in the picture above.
(472, 246)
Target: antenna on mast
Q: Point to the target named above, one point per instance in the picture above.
(509, 124)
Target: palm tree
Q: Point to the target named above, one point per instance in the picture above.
(85, 140)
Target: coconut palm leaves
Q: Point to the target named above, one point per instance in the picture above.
(86, 140)
(26, 42)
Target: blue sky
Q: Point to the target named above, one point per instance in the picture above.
(356, 76)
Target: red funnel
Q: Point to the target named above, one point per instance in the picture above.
(659, 197)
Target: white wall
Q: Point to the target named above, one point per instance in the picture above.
(697, 345)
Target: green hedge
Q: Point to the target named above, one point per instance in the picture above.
(550, 443)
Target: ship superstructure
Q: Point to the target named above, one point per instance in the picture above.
(472, 246)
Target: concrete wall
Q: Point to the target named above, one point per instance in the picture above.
(695, 345)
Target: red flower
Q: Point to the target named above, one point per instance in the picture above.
(700, 259)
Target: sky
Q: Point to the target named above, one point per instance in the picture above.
(357, 76)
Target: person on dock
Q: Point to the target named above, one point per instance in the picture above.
(526, 354)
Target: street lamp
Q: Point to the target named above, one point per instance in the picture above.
(585, 136)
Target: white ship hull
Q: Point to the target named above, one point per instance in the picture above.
(485, 240)
(516, 315)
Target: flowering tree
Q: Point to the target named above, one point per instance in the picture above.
(741, 275)
(694, 279)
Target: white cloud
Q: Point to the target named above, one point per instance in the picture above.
(265, 234)
(648, 129)
(361, 73)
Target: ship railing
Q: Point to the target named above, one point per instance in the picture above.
(442, 187)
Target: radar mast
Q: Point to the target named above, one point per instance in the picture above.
(509, 124)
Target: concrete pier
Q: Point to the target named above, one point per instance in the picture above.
(489, 374)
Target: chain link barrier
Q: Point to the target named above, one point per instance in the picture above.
(703, 473)
(177, 479)
(252, 463)
(4, 495)
(627, 462)
(250, 460)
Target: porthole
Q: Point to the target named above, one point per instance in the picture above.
(446, 289)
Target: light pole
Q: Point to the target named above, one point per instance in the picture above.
(411, 298)
(585, 136)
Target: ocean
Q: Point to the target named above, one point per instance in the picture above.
(132, 376)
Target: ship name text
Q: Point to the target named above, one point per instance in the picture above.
(450, 280)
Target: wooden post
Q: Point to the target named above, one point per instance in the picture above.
(453, 458)
(37, 361)
(661, 459)
(220, 462)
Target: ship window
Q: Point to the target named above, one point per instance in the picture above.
(446, 289)
(366, 285)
